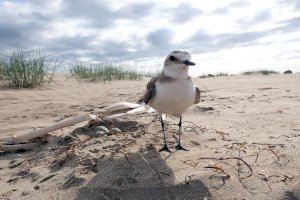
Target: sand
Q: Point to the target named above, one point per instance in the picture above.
(252, 118)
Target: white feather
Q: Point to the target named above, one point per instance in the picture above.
(174, 98)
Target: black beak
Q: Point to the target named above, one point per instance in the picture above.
(187, 62)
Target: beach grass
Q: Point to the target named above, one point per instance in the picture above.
(213, 75)
(25, 69)
(263, 72)
(1, 71)
(107, 72)
(222, 74)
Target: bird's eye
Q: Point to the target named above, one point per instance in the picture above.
(172, 58)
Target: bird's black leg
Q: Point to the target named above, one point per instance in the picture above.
(165, 147)
(178, 146)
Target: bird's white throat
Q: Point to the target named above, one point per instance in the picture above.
(176, 73)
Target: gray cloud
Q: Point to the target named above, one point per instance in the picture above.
(207, 43)
(114, 49)
(262, 16)
(233, 5)
(290, 25)
(291, 3)
(99, 17)
(134, 10)
(23, 35)
(238, 4)
(8, 31)
(160, 37)
(221, 11)
(66, 43)
(94, 11)
(185, 12)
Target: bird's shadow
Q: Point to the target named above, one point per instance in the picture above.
(139, 175)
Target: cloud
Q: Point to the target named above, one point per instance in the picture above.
(184, 12)
(134, 11)
(99, 14)
(208, 43)
(233, 5)
(221, 11)
(65, 43)
(261, 16)
(291, 3)
(160, 37)
(23, 35)
(135, 30)
(9, 32)
(290, 25)
(95, 12)
(238, 4)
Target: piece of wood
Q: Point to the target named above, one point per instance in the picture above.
(114, 108)
(111, 117)
(16, 147)
(14, 139)
(120, 106)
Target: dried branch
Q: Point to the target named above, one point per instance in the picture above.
(231, 158)
(17, 147)
(130, 108)
(41, 132)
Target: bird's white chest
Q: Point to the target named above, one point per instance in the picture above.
(174, 97)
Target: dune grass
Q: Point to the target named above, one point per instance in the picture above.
(1, 71)
(106, 72)
(25, 69)
(222, 74)
(214, 75)
(263, 72)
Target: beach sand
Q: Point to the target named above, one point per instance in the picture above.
(255, 119)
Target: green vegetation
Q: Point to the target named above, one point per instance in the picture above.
(222, 74)
(263, 72)
(1, 71)
(25, 70)
(107, 72)
(213, 75)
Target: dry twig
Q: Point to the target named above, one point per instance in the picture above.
(231, 158)
(157, 172)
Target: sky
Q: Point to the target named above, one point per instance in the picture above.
(222, 36)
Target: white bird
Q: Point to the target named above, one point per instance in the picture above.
(172, 92)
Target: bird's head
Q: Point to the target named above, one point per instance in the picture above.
(177, 64)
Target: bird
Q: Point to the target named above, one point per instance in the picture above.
(172, 92)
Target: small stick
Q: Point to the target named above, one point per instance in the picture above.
(157, 172)
(272, 150)
(131, 165)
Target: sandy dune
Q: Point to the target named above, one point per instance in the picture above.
(255, 119)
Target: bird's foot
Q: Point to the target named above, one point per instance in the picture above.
(165, 148)
(179, 147)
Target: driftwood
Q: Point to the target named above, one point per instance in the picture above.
(16, 147)
(120, 106)
(41, 132)
(119, 110)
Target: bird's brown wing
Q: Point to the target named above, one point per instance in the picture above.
(151, 91)
(197, 96)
